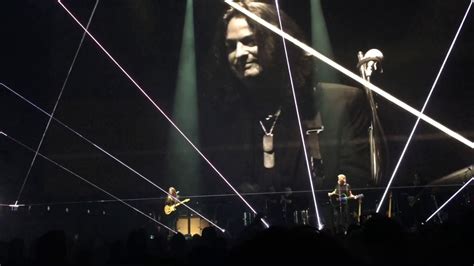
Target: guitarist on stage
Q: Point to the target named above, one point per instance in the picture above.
(339, 200)
(170, 200)
(171, 218)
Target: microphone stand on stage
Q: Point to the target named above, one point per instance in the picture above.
(367, 64)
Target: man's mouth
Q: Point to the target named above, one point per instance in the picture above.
(249, 65)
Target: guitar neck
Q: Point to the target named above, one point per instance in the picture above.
(179, 203)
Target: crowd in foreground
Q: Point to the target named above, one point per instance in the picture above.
(377, 241)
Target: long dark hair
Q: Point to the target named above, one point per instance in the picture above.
(270, 44)
(270, 49)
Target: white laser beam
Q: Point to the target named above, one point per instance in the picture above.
(86, 181)
(454, 195)
(159, 109)
(107, 153)
(423, 109)
(300, 127)
(353, 76)
(55, 105)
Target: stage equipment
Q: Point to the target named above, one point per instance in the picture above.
(337, 200)
(359, 210)
(249, 217)
(390, 199)
(301, 217)
(458, 176)
(191, 225)
(435, 202)
(171, 208)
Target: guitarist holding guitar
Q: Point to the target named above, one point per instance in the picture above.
(173, 194)
(339, 200)
(171, 203)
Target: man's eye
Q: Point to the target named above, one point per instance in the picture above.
(249, 41)
(230, 46)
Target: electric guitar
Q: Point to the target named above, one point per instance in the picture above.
(343, 198)
(171, 208)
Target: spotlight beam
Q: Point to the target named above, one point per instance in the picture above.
(56, 104)
(300, 127)
(107, 153)
(423, 109)
(83, 179)
(444, 204)
(158, 108)
(353, 76)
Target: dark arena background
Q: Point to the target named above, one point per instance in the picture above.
(93, 193)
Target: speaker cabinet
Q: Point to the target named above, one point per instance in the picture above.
(189, 225)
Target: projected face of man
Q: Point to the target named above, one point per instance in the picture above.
(242, 50)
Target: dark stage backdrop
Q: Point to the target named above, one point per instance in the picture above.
(39, 41)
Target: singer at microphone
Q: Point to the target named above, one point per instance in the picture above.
(254, 62)
(367, 64)
(252, 66)
(371, 55)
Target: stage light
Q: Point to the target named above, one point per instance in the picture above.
(16, 205)
(183, 166)
(321, 42)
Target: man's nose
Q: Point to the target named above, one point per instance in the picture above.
(241, 50)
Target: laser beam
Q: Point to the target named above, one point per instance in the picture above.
(353, 76)
(158, 108)
(300, 127)
(108, 154)
(423, 109)
(55, 105)
(454, 195)
(85, 180)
